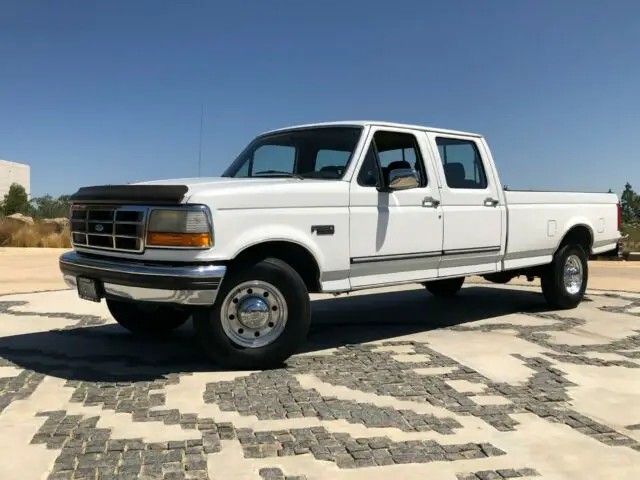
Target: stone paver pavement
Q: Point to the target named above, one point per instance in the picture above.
(392, 385)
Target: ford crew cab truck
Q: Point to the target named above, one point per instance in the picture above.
(331, 207)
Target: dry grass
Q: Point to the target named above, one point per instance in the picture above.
(40, 235)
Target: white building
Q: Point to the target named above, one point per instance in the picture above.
(11, 172)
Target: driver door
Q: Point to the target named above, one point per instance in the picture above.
(395, 235)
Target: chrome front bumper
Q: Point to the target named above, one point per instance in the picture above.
(194, 285)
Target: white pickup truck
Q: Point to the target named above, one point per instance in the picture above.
(330, 207)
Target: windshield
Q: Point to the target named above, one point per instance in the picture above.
(321, 152)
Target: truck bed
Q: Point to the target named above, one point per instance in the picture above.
(537, 221)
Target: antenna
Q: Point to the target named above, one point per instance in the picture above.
(200, 140)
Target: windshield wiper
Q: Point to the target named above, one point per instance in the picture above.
(278, 173)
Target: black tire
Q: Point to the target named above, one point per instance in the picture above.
(230, 354)
(147, 319)
(445, 288)
(556, 293)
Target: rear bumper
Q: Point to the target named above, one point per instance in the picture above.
(179, 284)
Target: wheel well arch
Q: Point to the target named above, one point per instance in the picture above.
(578, 235)
(294, 254)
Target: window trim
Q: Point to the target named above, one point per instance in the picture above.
(478, 159)
(424, 178)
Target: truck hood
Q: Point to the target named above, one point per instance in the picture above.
(200, 183)
(235, 193)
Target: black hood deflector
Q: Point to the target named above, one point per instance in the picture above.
(131, 194)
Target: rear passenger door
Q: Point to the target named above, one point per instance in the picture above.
(471, 204)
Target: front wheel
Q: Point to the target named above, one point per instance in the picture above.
(444, 288)
(147, 319)
(565, 280)
(260, 318)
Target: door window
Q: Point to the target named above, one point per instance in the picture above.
(462, 163)
(390, 151)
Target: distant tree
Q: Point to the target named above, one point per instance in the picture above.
(630, 204)
(49, 207)
(16, 200)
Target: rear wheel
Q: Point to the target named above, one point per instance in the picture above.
(564, 282)
(148, 319)
(444, 288)
(260, 318)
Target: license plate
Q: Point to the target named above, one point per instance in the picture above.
(89, 289)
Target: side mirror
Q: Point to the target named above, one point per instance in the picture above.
(403, 179)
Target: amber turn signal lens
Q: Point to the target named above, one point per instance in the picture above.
(193, 240)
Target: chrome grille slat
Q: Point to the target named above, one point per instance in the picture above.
(98, 227)
(119, 222)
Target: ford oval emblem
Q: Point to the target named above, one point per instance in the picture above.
(99, 228)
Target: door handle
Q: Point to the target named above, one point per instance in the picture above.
(491, 202)
(430, 202)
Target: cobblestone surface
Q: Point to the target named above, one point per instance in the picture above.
(429, 400)
(19, 387)
(278, 474)
(498, 474)
(349, 452)
(277, 395)
(87, 451)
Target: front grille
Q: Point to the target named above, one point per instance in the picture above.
(108, 228)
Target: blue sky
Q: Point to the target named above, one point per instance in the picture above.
(111, 91)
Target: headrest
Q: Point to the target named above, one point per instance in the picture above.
(398, 164)
(455, 174)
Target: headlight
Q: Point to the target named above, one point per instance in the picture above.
(179, 228)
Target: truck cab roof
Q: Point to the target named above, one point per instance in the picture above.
(367, 123)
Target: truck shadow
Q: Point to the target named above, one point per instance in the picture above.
(367, 318)
(107, 353)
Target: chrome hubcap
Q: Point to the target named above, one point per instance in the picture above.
(573, 274)
(254, 314)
